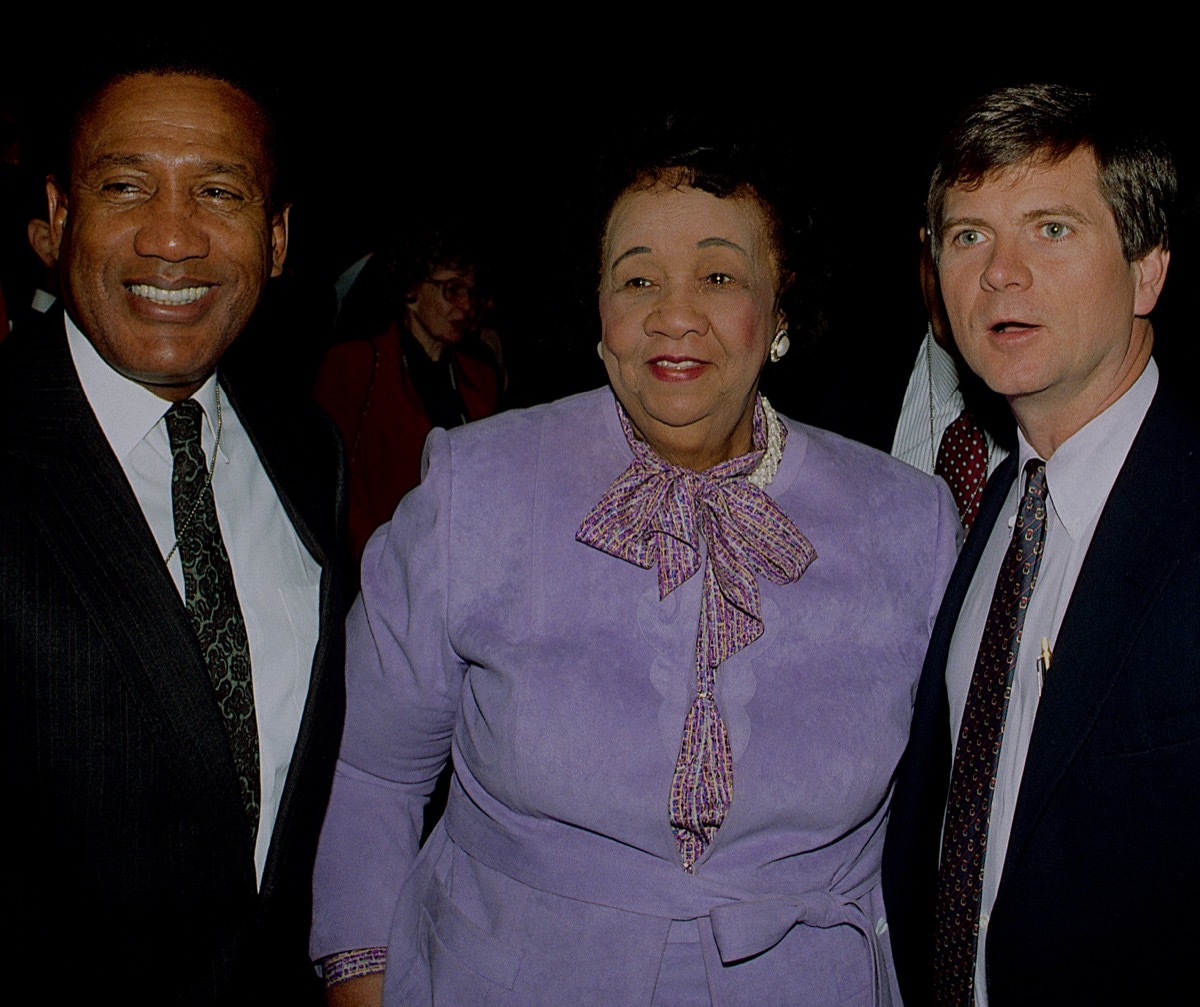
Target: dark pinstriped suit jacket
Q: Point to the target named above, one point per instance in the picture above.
(133, 870)
(1101, 886)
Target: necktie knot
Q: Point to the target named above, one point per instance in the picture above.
(184, 420)
(1035, 478)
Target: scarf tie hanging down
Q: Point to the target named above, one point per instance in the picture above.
(657, 513)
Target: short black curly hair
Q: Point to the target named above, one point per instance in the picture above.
(688, 152)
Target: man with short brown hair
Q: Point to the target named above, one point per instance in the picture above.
(1043, 835)
(171, 631)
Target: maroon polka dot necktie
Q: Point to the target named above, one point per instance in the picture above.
(977, 754)
(962, 461)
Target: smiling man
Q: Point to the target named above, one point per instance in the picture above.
(171, 631)
(1043, 838)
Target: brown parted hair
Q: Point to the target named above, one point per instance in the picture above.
(1044, 124)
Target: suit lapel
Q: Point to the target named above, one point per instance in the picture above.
(931, 722)
(91, 521)
(1131, 555)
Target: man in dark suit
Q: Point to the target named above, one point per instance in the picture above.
(171, 631)
(1043, 839)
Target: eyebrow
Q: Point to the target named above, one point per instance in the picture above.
(1068, 212)
(1057, 211)
(721, 243)
(636, 250)
(953, 222)
(118, 160)
(702, 243)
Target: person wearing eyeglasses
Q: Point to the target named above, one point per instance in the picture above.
(426, 369)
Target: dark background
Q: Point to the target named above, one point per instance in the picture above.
(381, 128)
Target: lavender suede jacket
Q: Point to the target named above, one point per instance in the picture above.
(558, 683)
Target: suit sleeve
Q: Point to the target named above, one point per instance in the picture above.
(949, 541)
(403, 681)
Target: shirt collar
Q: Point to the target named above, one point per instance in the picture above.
(126, 410)
(943, 372)
(1081, 473)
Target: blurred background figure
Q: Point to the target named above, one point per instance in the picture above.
(413, 358)
(951, 424)
(27, 280)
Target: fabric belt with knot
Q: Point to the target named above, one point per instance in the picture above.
(751, 926)
(575, 864)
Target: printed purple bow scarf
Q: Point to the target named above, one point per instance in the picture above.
(658, 513)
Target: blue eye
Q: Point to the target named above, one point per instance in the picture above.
(968, 238)
(1055, 230)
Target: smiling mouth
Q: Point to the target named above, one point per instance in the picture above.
(160, 295)
(674, 364)
(676, 369)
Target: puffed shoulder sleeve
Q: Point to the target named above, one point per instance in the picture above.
(949, 541)
(403, 681)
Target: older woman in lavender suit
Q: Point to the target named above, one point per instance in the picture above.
(670, 641)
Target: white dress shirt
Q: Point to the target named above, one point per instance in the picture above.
(277, 580)
(932, 401)
(1079, 477)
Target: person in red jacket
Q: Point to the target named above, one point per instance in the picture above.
(426, 369)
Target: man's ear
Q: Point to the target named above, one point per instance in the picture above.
(279, 240)
(1151, 273)
(40, 240)
(56, 202)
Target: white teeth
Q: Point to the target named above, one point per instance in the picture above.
(160, 296)
(677, 365)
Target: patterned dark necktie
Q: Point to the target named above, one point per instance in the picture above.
(962, 461)
(212, 598)
(973, 777)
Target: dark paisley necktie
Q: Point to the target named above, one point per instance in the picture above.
(212, 599)
(977, 754)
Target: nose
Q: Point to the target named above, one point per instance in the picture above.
(171, 228)
(1005, 268)
(677, 314)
